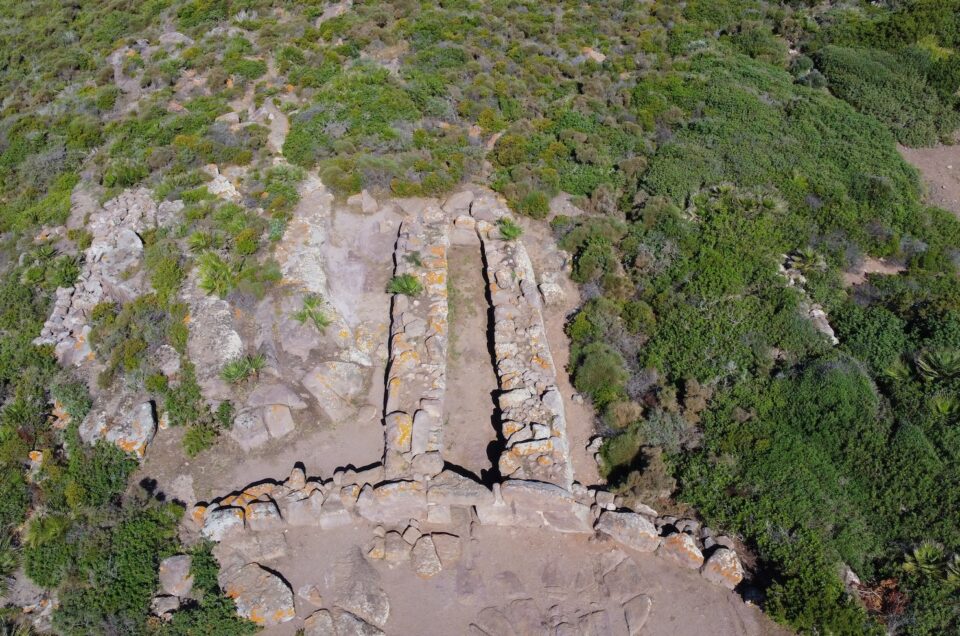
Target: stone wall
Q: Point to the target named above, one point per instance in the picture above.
(416, 372)
(533, 424)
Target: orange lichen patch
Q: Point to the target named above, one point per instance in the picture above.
(35, 456)
(410, 357)
(61, 415)
(187, 319)
(402, 431)
(493, 287)
(436, 277)
(438, 325)
(198, 513)
(545, 460)
(438, 250)
(257, 617)
(510, 427)
(343, 333)
(511, 381)
(282, 615)
(132, 446)
(541, 362)
(290, 88)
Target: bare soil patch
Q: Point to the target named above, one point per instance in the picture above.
(469, 418)
(940, 168)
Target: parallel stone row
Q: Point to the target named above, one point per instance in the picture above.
(533, 424)
(416, 372)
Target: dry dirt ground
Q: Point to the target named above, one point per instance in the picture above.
(527, 581)
(940, 169)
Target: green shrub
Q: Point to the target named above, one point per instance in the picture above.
(509, 230)
(406, 284)
(313, 311)
(242, 368)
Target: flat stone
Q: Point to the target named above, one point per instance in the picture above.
(347, 624)
(395, 549)
(278, 420)
(320, 623)
(424, 558)
(682, 549)
(448, 548)
(428, 464)
(629, 529)
(452, 489)
(275, 393)
(723, 567)
(636, 611)
(249, 431)
(393, 502)
(175, 576)
(311, 594)
(261, 596)
(334, 385)
(361, 593)
(164, 606)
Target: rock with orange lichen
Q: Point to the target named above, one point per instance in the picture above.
(681, 548)
(131, 428)
(723, 567)
(261, 596)
(629, 529)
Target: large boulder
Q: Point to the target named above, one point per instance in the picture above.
(630, 530)
(723, 567)
(261, 596)
(175, 576)
(682, 549)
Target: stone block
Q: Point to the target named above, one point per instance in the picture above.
(630, 530)
(723, 567)
(682, 549)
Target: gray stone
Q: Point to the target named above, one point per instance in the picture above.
(333, 514)
(320, 623)
(452, 489)
(349, 625)
(249, 431)
(133, 431)
(261, 596)
(306, 511)
(594, 624)
(631, 530)
(636, 611)
(222, 522)
(268, 394)
(278, 420)
(428, 464)
(424, 558)
(458, 202)
(335, 385)
(263, 515)
(360, 591)
(393, 502)
(395, 549)
(448, 547)
(175, 577)
(164, 606)
(311, 594)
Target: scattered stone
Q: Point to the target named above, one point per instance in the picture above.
(553, 294)
(411, 534)
(631, 530)
(175, 576)
(396, 550)
(424, 558)
(320, 623)
(723, 567)
(682, 549)
(164, 606)
(311, 594)
(261, 596)
(637, 611)
(346, 624)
